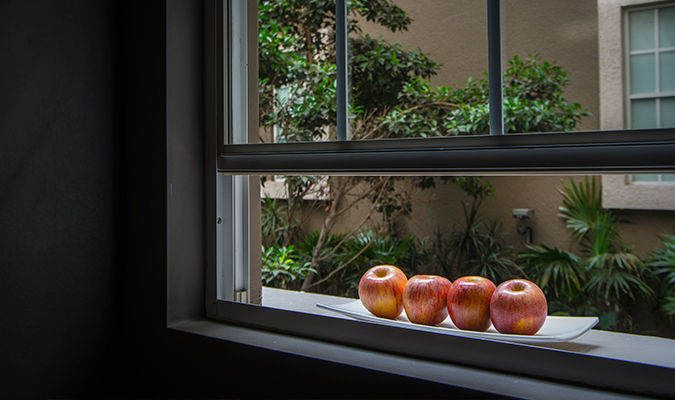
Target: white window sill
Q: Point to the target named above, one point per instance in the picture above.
(617, 193)
(638, 349)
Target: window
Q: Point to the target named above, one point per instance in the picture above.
(641, 33)
(651, 64)
(233, 253)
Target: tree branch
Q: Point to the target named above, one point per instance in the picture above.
(353, 231)
(336, 270)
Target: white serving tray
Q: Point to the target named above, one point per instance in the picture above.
(555, 329)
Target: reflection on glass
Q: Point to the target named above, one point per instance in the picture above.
(645, 178)
(642, 73)
(408, 80)
(654, 178)
(296, 51)
(668, 112)
(321, 234)
(667, 27)
(417, 68)
(643, 114)
(642, 30)
(559, 87)
(667, 68)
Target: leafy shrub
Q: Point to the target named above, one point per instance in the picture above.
(533, 102)
(282, 267)
(662, 263)
(354, 257)
(478, 248)
(274, 223)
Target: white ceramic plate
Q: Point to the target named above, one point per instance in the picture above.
(555, 329)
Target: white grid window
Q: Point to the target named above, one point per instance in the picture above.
(650, 61)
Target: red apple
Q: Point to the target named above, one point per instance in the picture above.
(425, 299)
(469, 303)
(381, 291)
(519, 307)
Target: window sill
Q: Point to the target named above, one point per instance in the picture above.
(596, 344)
(619, 346)
(618, 194)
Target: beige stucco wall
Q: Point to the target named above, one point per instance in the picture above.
(453, 33)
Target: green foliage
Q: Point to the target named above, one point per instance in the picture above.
(281, 267)
(274, 224)
(559, 273)
(533, 102)
(479, 248)
(380, 71)
(582, 205)
(391, 98)
(662, 263)
(533, 94)
(613, 275)
(362, 251)
(613, 271)
(297, 52)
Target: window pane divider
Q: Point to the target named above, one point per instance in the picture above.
(624, 151)
(652, 95)
(342, 59)
(495, 69)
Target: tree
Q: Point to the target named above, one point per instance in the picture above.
(390, 98)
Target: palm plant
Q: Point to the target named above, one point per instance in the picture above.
(274, 224)
(613, 271)
(559, 273)
(662, 262)
(613, 275)
(582, 205)
(479, 248)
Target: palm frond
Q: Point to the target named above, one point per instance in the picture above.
(554, 270)
(582, 206)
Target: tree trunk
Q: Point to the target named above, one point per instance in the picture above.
(325, 231)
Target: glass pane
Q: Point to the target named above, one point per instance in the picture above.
(550, 65)
(641, 30)
(643, 114)
(296, 72)
(642, 73)
(668, 178)
(408, 80)
(667, 71)
(667, 27)
(667, 112)
(645, 178)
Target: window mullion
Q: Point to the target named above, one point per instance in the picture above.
(495, 70)
(341, 30)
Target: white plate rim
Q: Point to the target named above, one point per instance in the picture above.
(581, 325)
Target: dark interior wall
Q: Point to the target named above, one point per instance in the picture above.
(59, 207)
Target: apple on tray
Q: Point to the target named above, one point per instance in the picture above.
(381, 291)
(519, 307)
(469, 303)
(425, 299)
